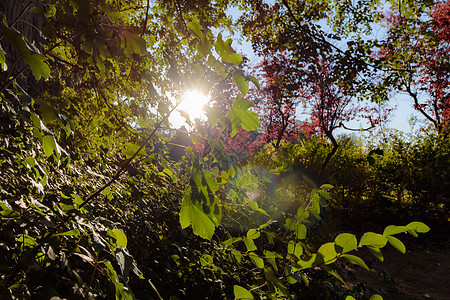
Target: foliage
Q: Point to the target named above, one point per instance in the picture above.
(415, 56)
(92, 206)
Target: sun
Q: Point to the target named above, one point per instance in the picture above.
(192, 103)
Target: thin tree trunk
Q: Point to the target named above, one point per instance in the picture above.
(19, 17)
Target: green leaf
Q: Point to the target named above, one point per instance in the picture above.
(131, 149)
(258, 261)
(397, 244)
(121, 238)
(392, 229)
(196, 29)
(225, 51)
(295, 248)
(328, 253)
(3, 66)
(51, 10)
(376, 297)
(49, 145)
(373, 239)
(132, 41)
(237, 255)
(418, 227)
(308, 262)
(72, 232)
(37, 65)
(249, 244)
(345, 242)
(240, 82)
(241, 293)
(255, 81)
(350, 298)
(300, 231)
(239, 114)
(376, 252)
(333, 273)
(192, 214)
(355, 260)
(253, 234)
(16, 39)
(27, 241)
(122, 293)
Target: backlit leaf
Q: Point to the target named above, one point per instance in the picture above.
(355, 260)
(392, 229)
(418, 227)
(345, 242)
(240, 114)
(241, 293)
(192, 215)
(258, 261)
(240, 82)
(225, 51)
(255, 81)
(249, 244)
(373, 239)
(328, 253)
(121, 238)
(72, 232)
(3, 66)
(49, 145)
(253, 234)
(37, 65)
(397, 244)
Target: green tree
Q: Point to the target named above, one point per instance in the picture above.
(91, 204)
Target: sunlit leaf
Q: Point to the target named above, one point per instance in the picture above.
(397, 244)
(376, 252)
(121, 238)
(72, 232)
(240, 82)
(373, 239)
(225, 51)
(392, 229)
(241, 293)
(37, 65)
(258, 261)
(345, 242)
(49, 145)
(328, 253)
(355, 260)
(253, 234)
(193, 215)
(240, 114)
(249, 244)
(3, 66)
(418, 227)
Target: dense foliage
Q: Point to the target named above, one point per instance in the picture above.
(101, 198)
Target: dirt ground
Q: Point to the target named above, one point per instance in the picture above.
(423, 272)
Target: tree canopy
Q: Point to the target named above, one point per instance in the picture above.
(101, 198)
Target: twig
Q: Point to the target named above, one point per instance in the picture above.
(146, 18)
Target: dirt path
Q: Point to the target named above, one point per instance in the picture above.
(417, 274)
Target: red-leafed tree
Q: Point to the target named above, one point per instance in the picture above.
(416, 55)
(290, 85)
(330, 106)
(279, 98)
